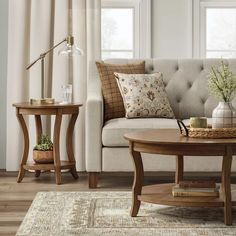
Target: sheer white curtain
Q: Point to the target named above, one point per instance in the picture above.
(35, 26)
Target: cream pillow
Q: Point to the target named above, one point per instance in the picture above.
(144, 95)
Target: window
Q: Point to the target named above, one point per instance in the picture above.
(220, 32)
(118, 32)
(217, 29)
(126, 28)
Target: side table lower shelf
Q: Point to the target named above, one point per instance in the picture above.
(162, 194)
(49, 166)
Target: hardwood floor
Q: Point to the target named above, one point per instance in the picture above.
(15, 198)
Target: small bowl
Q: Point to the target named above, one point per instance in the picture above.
(198, 122)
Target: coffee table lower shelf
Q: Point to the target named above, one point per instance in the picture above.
(162, 194)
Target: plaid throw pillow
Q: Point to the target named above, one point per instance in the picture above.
(113, 102)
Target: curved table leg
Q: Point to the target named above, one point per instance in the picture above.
(21, 120)
(56, 146)
(138, 180)
(226, 188)
(69, 144)
(179, 168)
(39, 132)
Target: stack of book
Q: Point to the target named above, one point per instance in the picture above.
(196, 188)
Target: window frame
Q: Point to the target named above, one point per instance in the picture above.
(199, 33)
(142, 25)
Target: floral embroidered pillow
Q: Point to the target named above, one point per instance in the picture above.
(144, 95)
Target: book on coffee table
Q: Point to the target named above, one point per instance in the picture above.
(197, 184)
(177, 191)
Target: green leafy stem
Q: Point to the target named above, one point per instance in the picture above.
(222, 83)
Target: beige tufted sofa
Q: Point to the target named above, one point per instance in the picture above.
(186, 86)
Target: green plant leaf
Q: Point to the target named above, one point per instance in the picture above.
(45, 144)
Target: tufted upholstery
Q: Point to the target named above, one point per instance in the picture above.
(186, 85)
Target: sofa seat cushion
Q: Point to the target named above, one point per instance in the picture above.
(114, 130)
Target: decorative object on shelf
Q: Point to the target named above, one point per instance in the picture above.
(222, 85)
(208, 132)
(177, 191)
(198, 122)
(66, 94)
(43, 152)
(70, 50)
(197, 184)
(196, 188)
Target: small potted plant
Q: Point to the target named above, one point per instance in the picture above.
(222, 85)
(43, 151)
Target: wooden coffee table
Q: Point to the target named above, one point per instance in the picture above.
(170, 142)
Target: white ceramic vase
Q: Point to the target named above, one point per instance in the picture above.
(224, 116)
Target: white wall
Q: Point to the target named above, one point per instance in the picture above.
(172, 28)
(3, 79)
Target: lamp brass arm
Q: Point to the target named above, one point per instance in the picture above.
(49, 50)
(42, 55)
(32, 63)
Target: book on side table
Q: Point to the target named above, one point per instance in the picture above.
(196, 188)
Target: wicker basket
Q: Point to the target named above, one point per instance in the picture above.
(206, 132)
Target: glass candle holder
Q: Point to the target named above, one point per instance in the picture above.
(198, 122)
(66, 94)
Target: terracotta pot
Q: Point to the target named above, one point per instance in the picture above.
(43, 156)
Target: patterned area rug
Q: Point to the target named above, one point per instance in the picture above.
(107, 213)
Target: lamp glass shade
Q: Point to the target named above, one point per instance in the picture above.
(71, 50)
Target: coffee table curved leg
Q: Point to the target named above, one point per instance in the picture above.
(69, 144)
(39, 131)
(226, 185)
(21, 173)
(138, 180)
(56, 147)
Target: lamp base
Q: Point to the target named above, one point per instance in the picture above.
(42, 101)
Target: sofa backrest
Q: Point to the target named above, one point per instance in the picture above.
(186, 83)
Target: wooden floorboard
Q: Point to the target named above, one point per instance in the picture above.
(8, 230)
(16, 198)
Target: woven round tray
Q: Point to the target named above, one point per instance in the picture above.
(206, 132)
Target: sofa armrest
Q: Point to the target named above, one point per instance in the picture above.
(93, 127)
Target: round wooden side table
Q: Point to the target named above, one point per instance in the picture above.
(170, 142)
(48, 109)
